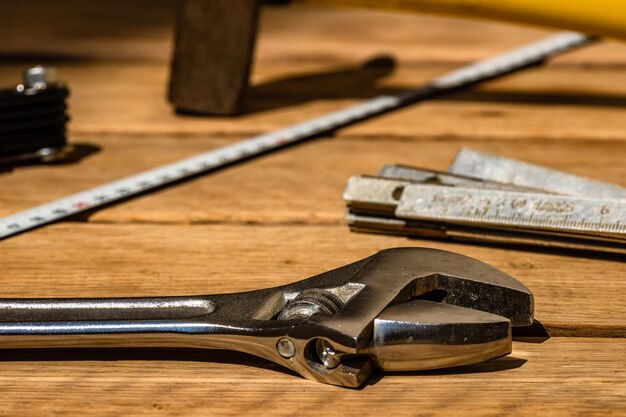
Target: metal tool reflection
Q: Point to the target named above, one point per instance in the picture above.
(400, 309)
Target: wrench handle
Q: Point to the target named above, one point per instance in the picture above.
(102, 322)
(102, 309)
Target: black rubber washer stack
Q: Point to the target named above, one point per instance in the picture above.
(31, 120)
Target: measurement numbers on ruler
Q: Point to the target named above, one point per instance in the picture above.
(479, 206)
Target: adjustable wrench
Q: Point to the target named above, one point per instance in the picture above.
(400, 309)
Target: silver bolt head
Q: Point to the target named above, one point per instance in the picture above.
(38, 77)
(286, 348)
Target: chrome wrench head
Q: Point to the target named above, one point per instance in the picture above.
(400, 309)
(409, 309)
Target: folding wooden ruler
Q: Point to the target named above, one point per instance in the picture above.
(489, 198)
(530, 55)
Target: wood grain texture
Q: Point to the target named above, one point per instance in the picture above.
(563, 376)
(548, 103)
(279, 219)
(141, 31)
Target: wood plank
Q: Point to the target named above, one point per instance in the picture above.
(549, 103)
(577, 96)
(561, 377)
(279, 219)
(73, 30)
(573, 295)
(298, 185)
(602, 18)
(142, 31)
(338, 37)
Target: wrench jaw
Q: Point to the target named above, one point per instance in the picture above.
(387, 325)
(413, 336)
(340, 326)
(422, 335)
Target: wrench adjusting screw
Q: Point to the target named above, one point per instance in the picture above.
(310, 302)
(286, 348)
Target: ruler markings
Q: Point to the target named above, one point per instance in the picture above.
(510, 208)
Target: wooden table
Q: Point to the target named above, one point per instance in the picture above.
(280, 218)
